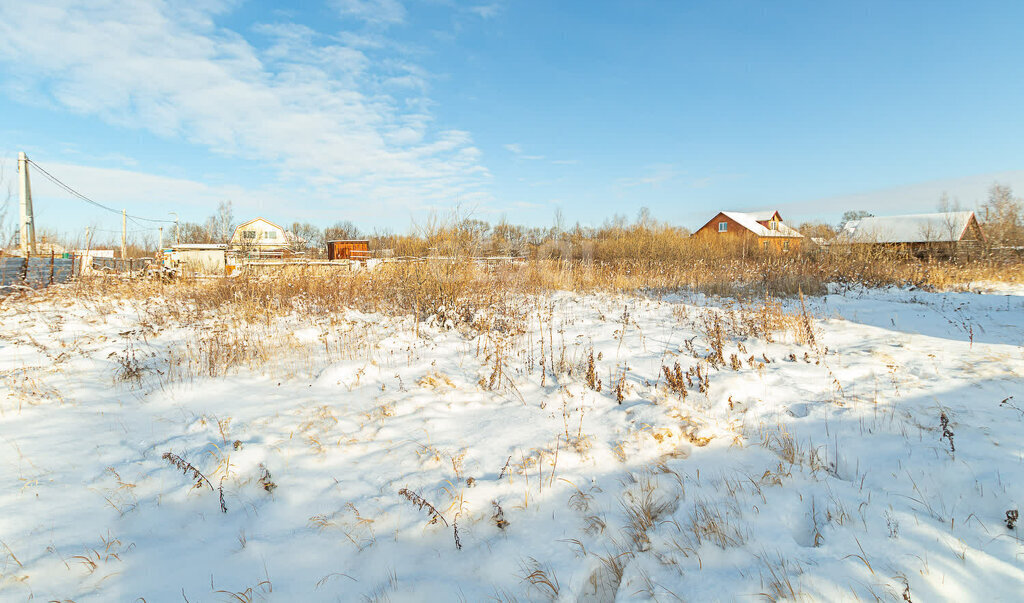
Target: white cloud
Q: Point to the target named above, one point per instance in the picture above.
(312, 108)
(487, 11)
(384, 12)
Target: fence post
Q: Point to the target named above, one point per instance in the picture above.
(24, 269)
(51, 266)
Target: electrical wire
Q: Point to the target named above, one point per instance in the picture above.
(79, 195)
(107, 230)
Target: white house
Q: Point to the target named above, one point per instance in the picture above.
(261, 236)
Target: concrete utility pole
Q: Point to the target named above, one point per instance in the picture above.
(161, 247)
(27, 234)
(124, 232)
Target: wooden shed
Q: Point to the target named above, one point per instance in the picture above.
(351, 249)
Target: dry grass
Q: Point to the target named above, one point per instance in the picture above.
(236, 323)
(457, 289)
(709, 524)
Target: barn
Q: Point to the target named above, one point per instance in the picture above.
(764, 229)
(935, 233)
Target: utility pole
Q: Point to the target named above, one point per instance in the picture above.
(124, 232)
(88, 254)
(27, 234)
(177, 233)
(161, 248)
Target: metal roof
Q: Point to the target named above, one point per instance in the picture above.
(942, 227)
(750, 222)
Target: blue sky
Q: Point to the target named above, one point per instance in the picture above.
(383, 111)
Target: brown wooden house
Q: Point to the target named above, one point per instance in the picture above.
(350, 249)
(764, 229)
(942, 233)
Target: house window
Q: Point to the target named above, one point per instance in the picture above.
(248, 234)
(271, 234)
(765, 245)
(774, 225)
(723, 226)
(785, 245)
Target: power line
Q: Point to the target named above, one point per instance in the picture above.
(79, 195)
(107, 230)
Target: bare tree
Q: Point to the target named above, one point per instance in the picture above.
(644, 219)
(818, 230)
(192, 232)
(855, 214)
(342, 231)
(559, 225)
(308, 237)
(225, 222)
(950, 224)
(1003, 217)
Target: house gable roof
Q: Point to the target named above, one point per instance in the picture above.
(750, 222)
(257, 219)
(942, 227)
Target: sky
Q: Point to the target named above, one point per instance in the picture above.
(388, 112)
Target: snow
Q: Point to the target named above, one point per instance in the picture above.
(914, 228)
(761, 216)
(750, 222)
(822, 473)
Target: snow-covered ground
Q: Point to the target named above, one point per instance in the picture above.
(362, 458)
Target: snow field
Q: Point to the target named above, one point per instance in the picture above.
(539, 452)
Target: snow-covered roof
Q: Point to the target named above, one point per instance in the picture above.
(913, 228)
(750, 222)
(762, 216)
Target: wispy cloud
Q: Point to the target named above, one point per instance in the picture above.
(487, 11)
(653, 176)
(384, 12)
(517, 150)
(661, 174)
(313, 108)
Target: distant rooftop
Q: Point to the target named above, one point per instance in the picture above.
(912, 228)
